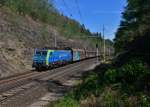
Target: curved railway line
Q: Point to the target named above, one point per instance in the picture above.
(16, 86)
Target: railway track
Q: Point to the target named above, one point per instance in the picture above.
(15, 86)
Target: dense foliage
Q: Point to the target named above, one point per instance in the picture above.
(107, 86)
(37, 9)
(135, 23)
(132, 75)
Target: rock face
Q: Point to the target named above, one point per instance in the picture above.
(19, 36)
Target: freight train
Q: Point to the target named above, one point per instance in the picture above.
(49, 58)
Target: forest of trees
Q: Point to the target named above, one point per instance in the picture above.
(135, 24)
(132, 47)
(36, 9)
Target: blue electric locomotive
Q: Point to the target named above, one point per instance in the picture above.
(45, 58)
(49, 58)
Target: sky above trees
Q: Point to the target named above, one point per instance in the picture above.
(94, 13)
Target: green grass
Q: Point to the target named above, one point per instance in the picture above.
(67, 102)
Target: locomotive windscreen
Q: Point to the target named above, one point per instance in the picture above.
(41, 53)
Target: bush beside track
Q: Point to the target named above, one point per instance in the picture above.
(108, 86)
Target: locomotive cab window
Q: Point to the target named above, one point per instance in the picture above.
(41, 53)
(38, 53)
(44, 53)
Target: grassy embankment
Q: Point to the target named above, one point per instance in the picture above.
(108, 86)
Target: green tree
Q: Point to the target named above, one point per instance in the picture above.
(135, 21)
